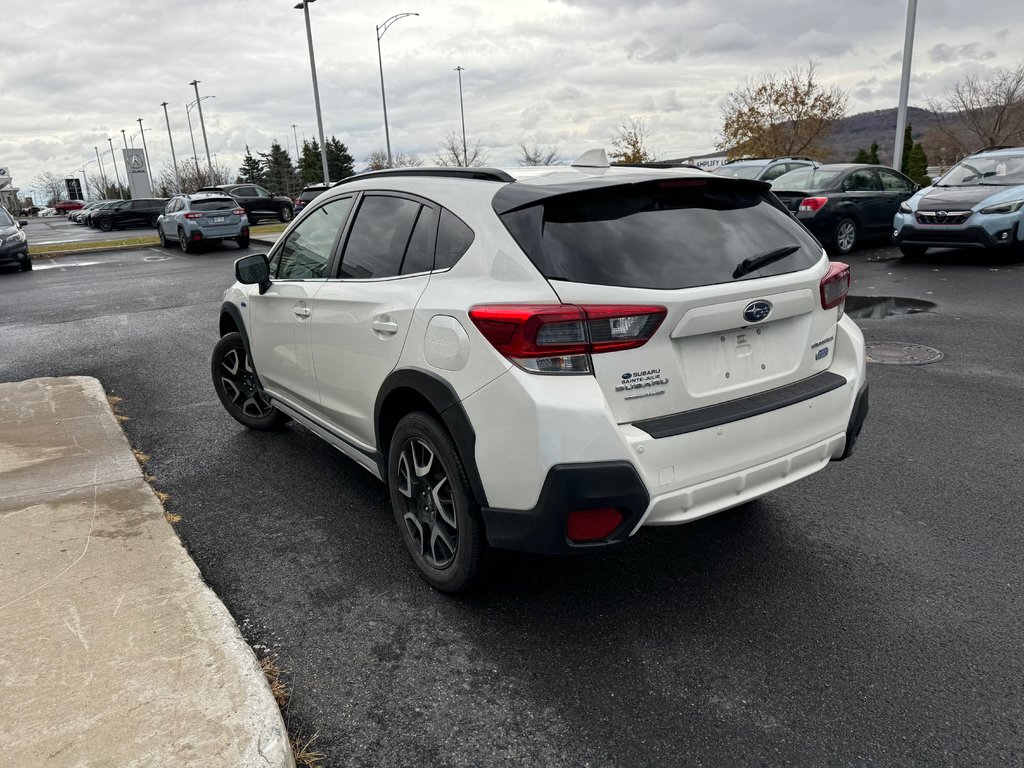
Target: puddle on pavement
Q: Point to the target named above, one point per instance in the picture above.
(879, 307)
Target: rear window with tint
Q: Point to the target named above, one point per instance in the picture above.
(659, 235)
(214, 204)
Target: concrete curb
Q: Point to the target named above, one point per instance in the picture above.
(114, 651)
(267, 240)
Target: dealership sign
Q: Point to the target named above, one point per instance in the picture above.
(138, 178)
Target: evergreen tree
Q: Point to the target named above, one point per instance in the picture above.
(311, 168)
(281, 175)
(908, 145)
(339, 162)
(862, 156)
(251, 170)
(917, 166)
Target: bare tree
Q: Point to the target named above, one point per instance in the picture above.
(535, 154)
(977, 113)
(630, 142)
(450, 152)
(104, 188)
(192, 178)
(781, 114)
(52, 186)
(378, 160)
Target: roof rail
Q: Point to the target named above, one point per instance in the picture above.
(772, 159)
(993, 149)
(480, 174)
(658, 164)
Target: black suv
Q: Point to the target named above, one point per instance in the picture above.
(258, 202)
(129, 213)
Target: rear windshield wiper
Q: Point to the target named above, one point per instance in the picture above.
(753, 264)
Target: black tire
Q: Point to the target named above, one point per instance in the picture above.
(431, 498)
(913, 251)
(238, 388)
(184, 243)
(844, 238)
(285, 214)
(105, 224)
(252, 218)
(153, 218)
(164, 242)
(26, 266)
(243, 242)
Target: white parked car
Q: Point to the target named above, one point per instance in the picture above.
(548, 359)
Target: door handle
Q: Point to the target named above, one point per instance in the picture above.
(302, 311)
(385, 326)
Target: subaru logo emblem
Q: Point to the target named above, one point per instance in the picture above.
(941, 216)
(756, 311)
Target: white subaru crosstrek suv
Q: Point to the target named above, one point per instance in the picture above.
(548, 359)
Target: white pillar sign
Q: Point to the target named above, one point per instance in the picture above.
(138, 178)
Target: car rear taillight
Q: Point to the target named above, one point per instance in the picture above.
(834, 287)
(592, 524)
(238, 211)
(559, 338)
(193, 215)
(812, 204)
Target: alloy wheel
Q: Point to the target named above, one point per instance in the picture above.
(239, 381)
(429, 515)
(846, 236)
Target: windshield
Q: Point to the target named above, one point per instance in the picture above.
(662, 235)
(996, 170)
(5, 219)
(805, 178)
(739, 171)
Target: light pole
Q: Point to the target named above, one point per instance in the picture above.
(195, 156)
(462, 111)
(381, 29)
(113, 159)
(174, 159)
(209, 162)
(85, 179)
(296, 135)
(901, 113)
(304, 7)
(145, 151)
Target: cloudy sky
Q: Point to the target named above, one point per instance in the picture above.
(565, 72)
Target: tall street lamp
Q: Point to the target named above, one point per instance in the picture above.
(174, 159)
(209, 162)
(195, 156)
(145, 151)
(113, 159)
(901, 113)
(295, 133)
(381, 29)
(304, 7)
(462, 111)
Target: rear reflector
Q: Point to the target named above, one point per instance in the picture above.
(812, 204)
(834, 286)
(592, 524)
(558, 338)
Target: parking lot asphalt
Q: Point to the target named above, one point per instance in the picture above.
(870, 614)
(48, 230)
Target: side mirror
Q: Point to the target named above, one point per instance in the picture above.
(253, 270)
(275, 194)
(23, 223)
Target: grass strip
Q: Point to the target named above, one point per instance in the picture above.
(130, 242)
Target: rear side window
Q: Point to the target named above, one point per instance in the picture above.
(661, 235)
(218, 204)
(453, 240)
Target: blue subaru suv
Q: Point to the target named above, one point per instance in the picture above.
(977, 204)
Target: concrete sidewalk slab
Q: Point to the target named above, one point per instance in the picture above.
(113, 651)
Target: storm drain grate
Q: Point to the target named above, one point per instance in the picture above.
(901, 353)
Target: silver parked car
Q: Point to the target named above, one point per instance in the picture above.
(191, 220)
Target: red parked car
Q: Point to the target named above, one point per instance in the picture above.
(68, 205)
